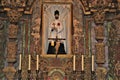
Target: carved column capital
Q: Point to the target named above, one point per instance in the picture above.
(99, 17)
(14, 15)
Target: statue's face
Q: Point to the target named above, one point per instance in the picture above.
(56, 16)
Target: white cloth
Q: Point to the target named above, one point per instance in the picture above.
(56, 29)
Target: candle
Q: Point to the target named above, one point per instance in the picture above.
(92, 62)
(37, 63)
(52, 43)
(74, 62)
(29, 63)
(20, 61)
(82, 62)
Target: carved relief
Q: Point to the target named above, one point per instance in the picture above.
(12, 3)
(99, 17)
(11, 51)
(43, 65)
(77, 36)
(101, 73)
(118, 4)
(13, 29)
(9, 72)
(117, 68)
(69, 67)
(99, 32)
(99, 3)
(100, 52)
(24, 73)
(36, 35)
(14, 15)
(1, 25)
(116, 23)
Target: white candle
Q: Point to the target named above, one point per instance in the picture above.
(82, 62)
(37, 63)
(92, 62)
(20, 56)
(52, 43)
(74, 62)
(29, 63)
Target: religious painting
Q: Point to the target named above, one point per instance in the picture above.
(56, 28)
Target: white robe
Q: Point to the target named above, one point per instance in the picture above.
(59, 29)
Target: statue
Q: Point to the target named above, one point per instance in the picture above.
(56, 41)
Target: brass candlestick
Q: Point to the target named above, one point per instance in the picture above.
(19, 75)
(29, 74)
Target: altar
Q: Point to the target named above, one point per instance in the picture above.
(59, 40)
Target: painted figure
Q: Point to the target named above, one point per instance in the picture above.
(56, 42)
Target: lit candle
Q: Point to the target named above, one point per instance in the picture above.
(37, 63)
(82, 62)
(29, 63)
(20, 61)
(92, 62)
(74, 62)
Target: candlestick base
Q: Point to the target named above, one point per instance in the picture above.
(29, 74)
(82, 72)
(82, 75)
(93, 72)
(74, 71)
(93, 75)
(19, 75)
(37, 75)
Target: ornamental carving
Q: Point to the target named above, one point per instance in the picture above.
(9, 72)
(99, 17)
(11, 51)
(13, 30)
(36, 35)
(99, 32)
(77, 36)
(99, 3)
(13, 3)
(1, 25)
(24, 73)
(43, 65)
(14, 15)
(69, 67)
(116, 23)
(101, 73)
(100, 52)
(117, 68)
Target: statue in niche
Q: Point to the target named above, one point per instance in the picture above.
(56, 44)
